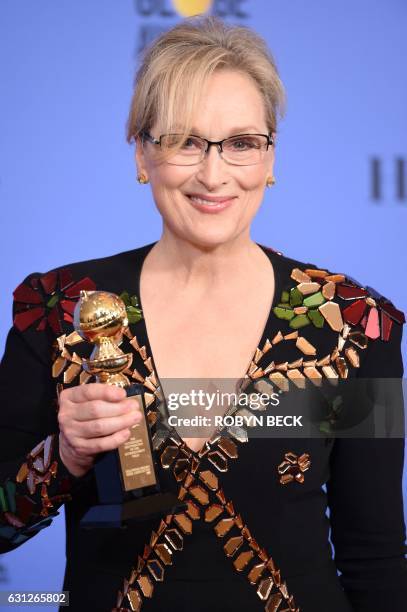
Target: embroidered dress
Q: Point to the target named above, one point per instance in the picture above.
(255, 532)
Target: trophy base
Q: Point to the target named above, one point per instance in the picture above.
(119, 515)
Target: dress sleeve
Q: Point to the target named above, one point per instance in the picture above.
(366, 501)
(33, 480)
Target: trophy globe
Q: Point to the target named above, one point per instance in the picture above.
(100, 318)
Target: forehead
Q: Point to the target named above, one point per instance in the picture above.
(229, 103)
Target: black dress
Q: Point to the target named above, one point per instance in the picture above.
(255, 535)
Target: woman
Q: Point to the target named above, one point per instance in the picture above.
(205, 301)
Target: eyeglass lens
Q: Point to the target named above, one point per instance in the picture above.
(240, 149)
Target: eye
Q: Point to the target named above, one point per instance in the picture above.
(243, 143)
(175, 141)
(191, 143)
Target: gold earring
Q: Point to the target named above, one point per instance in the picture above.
(142, 178)
(270, 181)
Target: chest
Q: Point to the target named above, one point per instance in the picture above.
(215, 339)
(207, 345)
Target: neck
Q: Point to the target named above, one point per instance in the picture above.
(207, 264)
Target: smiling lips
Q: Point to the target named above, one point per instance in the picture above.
(208, 203)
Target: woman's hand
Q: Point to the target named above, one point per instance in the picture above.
(93, 418)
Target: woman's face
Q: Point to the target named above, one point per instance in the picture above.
(230, 105)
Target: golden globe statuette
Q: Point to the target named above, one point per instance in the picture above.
(127, 482)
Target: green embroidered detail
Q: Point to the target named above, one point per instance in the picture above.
(3, 503)
(286, 313)
(296, 297)
(134, 313)
(11, 495)
(313, 300)
(316, 317)
(299, 321)
(328, 426)
(53, 301)
(285, 296)
(8, 497)
(292, 299)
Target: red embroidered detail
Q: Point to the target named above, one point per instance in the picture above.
(372, 311)
(393, 313)
(386, 325)
(49, 299)
(353, 313)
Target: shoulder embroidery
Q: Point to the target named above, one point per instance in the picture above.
(312, 301)
(319, 297)
(48, 300)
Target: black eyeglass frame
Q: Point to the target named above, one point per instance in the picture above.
(209, 143)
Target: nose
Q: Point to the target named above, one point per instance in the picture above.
(212, 171)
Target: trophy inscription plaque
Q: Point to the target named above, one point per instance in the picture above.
(127, 482)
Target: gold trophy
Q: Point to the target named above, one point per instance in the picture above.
(127, 482)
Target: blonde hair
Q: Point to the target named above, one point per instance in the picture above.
(177, 64)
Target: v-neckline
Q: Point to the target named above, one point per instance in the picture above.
(141, 326)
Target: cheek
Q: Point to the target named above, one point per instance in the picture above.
(252, 178)
(166, 177)
(165, 181)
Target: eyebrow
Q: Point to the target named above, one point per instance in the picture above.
(235, 131)
(247, 129)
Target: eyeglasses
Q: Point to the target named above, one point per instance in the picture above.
(239, 150)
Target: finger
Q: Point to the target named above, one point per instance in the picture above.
(95, 391)
(99, 409)
(64, 441)
(107, 426)
(94, 446)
